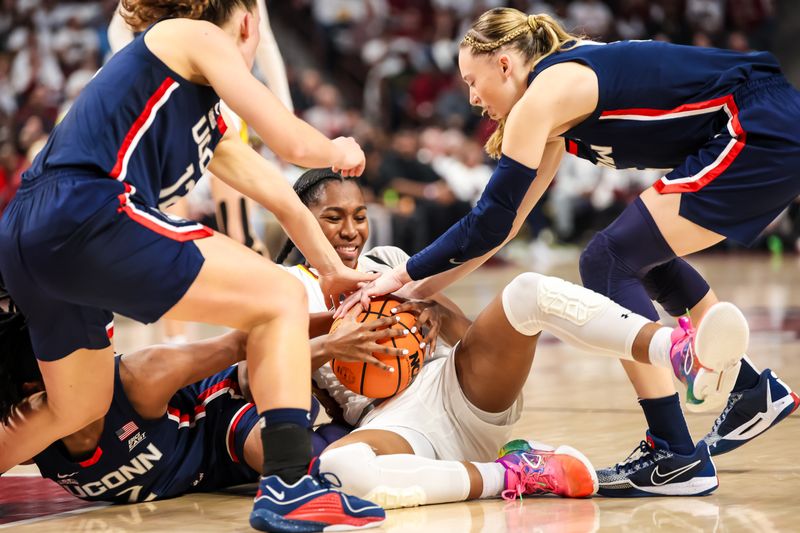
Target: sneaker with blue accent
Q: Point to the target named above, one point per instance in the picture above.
(535, 468)
(751, 412)
(700, 357)
(310, 504)
(652, 469)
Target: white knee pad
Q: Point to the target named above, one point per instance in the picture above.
(531, 297)
(581, 317)
(353, 465)
(394, 481)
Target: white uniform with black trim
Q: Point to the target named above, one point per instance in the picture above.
(432, 414)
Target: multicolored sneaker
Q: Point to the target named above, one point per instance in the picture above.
(310, 504)
(535, 468)
(701, 357)
(652, 469)
(751, 412)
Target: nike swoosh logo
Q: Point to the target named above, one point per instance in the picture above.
(662, 479)
(454, 262)
(64, 476)
(278, 495)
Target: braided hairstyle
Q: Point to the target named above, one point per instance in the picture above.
(309, 188)
(139, 14)
(535, 36)
(17, 362)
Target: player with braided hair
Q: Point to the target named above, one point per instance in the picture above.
(85, 237)
(715, 118)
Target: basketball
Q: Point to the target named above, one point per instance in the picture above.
(369, 380)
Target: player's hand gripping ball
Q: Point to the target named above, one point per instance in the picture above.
(374, 382)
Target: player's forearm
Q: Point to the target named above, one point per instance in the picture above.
(243, 169)
(217, 60)
(269, 60)
(305, 232)
(206, 358)
(319, 354)
(454, 322)
(319, 323)
(424, 288)
(119, 33)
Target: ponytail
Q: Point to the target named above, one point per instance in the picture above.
(535, 36)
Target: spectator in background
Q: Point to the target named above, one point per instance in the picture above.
(34, 63)
(590, 17)
(327, 114)
(435, 205)
(302, 87)
(8, 101)
(11, 165)
(74, 43)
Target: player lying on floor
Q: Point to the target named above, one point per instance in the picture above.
(170, 432)
(437, 440)
(171, 429)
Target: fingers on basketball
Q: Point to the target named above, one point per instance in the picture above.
(373, 381)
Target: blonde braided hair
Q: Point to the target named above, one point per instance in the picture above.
(535, 36)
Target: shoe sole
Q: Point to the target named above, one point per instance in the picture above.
(270, 522)
(724, 445)
(721, 341)
(397, 498)
(572, 452)
(694, 487)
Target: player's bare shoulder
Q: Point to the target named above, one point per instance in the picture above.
(176, 42)
(569, 90)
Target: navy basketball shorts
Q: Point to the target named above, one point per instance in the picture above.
(229, 420)
(745, 176)
(75, 248)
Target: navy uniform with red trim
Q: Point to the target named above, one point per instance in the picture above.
(724, 125)
(85, 237)
(197, 446)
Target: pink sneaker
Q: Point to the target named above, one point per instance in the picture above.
(705, 359)
(535, 468)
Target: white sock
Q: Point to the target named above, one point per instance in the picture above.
(494, 478)
(393, 481)
(578, 316)
(660, 344)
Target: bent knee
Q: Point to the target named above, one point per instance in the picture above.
(354, 465)
(280, 296)
(596, 263)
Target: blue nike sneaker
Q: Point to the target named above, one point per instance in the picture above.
(750, 413)
(310, 504)
(652, 469)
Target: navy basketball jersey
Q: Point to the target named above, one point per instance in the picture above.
(140, 460)
(658, 102)
(138, 122)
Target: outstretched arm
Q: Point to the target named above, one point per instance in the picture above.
(119, 33)
(242, 168)
(560, 98)
(269, 60)
(153, 375)
(212, 57)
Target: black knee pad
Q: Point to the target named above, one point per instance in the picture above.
(595, 264)
(676, 286)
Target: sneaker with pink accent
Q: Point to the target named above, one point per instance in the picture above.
(703, 358)
(535, 468)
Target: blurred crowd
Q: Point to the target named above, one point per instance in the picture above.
(384, 71)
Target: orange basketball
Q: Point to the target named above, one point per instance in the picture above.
(369, 380)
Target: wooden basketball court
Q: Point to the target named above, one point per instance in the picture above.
(569, 399)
